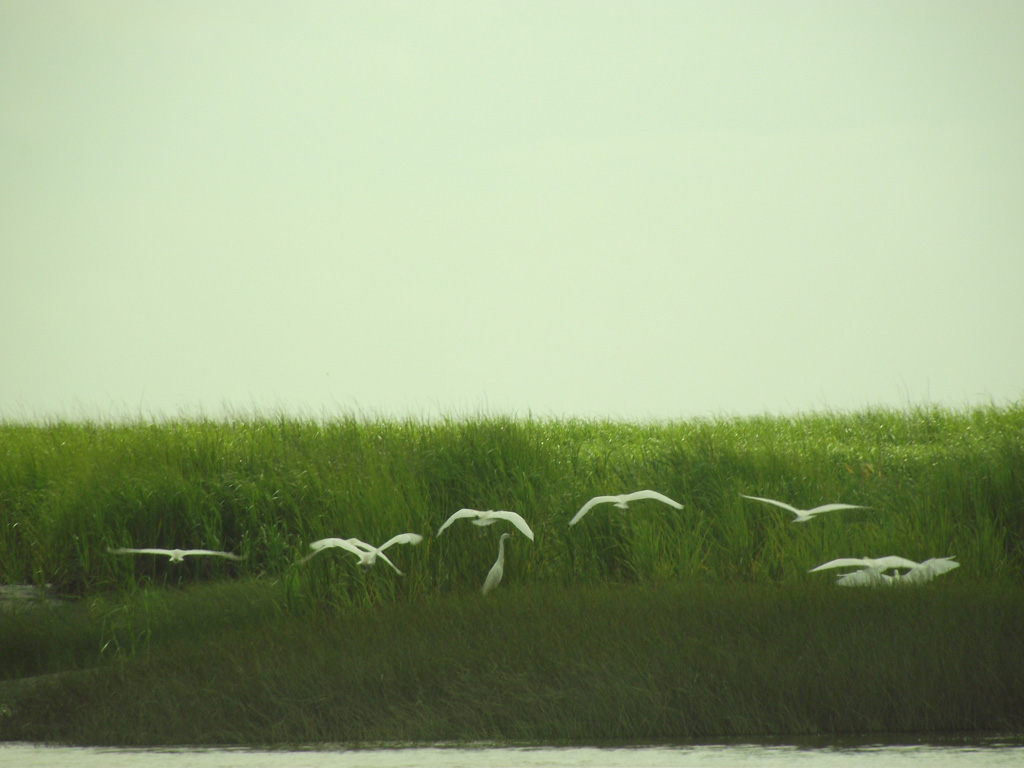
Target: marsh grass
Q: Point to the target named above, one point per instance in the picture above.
(662, 661)
(937, 483)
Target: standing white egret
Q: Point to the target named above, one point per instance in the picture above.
(803, 515)
(622, 502)
(489, 517)
(498, 569)
(367, 553)
(176, 555)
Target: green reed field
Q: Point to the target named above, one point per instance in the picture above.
(650, 624)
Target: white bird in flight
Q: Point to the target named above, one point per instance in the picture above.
(498, 569)
(176, 555)
(865, 577)
(803, 515)
(873, 567)
(622, 502)
(367, 553)
(872, 570)
(929, 569)
(489, 517)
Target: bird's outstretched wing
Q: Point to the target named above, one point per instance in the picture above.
(513, 517)
(458, 516)
(387, 560)
(832, 508)
(361, 545)
(803, 515)
(590, 505)
(402, 538)
(781, 504)
(929, 569)
(636, 496)
(134, 551)
(214, 553)
(892, 561)
(322, 544)
(878, 564)
(842, 562)
(363, 549)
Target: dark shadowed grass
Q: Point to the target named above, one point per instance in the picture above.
(41, 637)
(661, 662)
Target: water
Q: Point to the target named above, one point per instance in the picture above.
(987, 754)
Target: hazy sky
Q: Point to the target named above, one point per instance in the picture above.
(601, 209)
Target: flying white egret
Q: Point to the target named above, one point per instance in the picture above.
(803, 515)
(498, 569)
(622, 502)
(872, 570)
(489, 517)
(866, 577)
(878, 564)
(929, 569)
(367, 553)
(874, 567)
(176, 555)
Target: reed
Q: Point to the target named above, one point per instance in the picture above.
(937, 483)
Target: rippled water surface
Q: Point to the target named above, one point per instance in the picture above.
(990, 753)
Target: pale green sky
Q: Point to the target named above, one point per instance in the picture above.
(626, 210)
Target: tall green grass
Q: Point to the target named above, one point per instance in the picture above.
(937, 482)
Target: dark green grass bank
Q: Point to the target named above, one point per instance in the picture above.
(644, 663)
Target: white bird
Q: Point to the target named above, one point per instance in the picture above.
(367, 553)
(489, 517)
(803, 515)
(929, 569)
(878, 565)
(872, 570)
(865, 577)
(622, 502)
(176, 555)
(498, 569)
